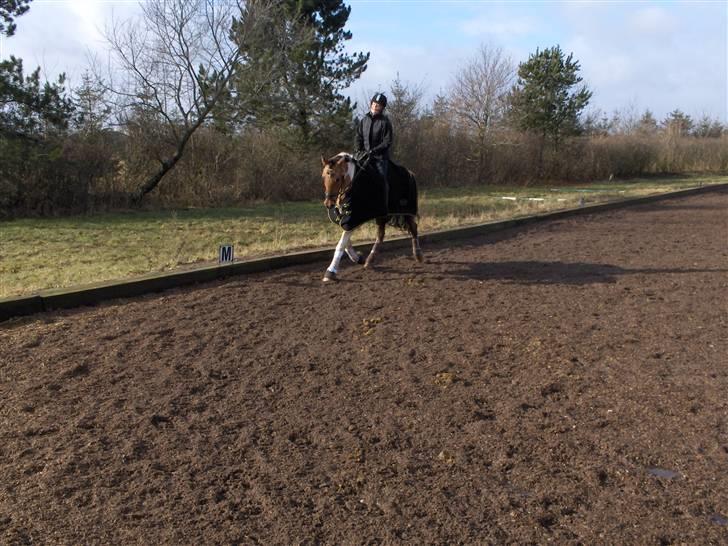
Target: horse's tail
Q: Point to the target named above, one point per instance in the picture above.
(408, 209)
(415, 192)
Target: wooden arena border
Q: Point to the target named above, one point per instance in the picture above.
(93, 294)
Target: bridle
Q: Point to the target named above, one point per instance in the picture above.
(343, 187)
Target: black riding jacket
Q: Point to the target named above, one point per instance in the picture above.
(374, 135)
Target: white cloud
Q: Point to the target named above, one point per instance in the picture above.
(659, 58)
(88, 18)
(58, 36)
(488, 25)
(653, 20)
(429, 67)
(604, 68)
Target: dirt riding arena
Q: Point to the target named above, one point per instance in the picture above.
(565, 383)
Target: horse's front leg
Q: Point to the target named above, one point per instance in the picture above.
(416, 250)
(330, 274)
(381, 223)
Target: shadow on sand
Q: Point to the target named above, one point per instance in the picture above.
(533, 272)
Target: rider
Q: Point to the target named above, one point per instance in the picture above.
(374, 135)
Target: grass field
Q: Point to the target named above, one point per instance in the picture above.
(37, 254)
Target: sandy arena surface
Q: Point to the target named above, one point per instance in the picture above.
(565, 382)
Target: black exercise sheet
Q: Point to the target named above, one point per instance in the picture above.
(369, 198)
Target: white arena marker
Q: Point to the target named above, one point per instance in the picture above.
(226, 255)
(509, 198)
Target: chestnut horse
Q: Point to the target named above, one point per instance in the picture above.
(339, 174)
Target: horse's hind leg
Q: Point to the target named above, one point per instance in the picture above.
(354, 256)
(416, 251)
(381, 222)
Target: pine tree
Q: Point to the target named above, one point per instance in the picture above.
(28, 108)
(546, 99)
(647, 125)
(403, 107)
(9, 10)
(595, 123)
(305, 95)
(708, 128)
(31, 109)
(677, 123)
(92, 112)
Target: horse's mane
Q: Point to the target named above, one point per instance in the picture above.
(342, 155)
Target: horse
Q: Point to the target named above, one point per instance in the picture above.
(340, 173)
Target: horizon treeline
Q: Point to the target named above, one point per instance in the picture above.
(208, 103)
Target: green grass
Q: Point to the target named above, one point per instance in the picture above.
(37, 254)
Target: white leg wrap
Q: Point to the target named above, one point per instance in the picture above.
(339, 252)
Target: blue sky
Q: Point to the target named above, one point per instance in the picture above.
(634, 55)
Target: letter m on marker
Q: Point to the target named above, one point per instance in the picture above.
(226, 254)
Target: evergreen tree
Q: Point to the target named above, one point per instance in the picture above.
(647, 124)
(28, 108)
(304, 96)
(403, 107)
(92, 111)
(9, 10)
(440, 107)
(595, 123)
(708, 128)
(677, 123)
(546, 99)
(31, 109)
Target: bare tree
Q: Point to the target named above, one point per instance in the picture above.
(625, 121)
(172, 66)
(478, 93)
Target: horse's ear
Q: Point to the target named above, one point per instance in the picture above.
(323, 161)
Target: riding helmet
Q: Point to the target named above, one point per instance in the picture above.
(380, 98)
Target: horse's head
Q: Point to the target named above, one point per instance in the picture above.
(337, 175)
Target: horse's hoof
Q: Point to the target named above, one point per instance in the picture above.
(329, 276)
(361, 260)
(419, 257)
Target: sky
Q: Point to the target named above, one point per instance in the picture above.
(634, 55)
